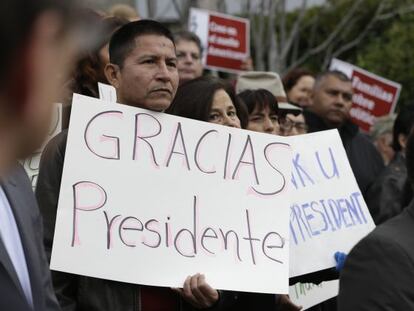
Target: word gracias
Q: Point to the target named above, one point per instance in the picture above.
(147, 145)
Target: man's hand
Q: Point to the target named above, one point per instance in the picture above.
(197, 292)
(285, 304)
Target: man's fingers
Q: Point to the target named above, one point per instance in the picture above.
(198, 292)
(210, 294)
(187, 293)
(195, 289)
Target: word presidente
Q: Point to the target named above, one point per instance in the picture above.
(131, 231)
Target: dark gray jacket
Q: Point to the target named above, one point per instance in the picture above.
(379, 271)
(19, 193)
(387, 191)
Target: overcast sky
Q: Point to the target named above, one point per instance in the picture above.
(165, 8)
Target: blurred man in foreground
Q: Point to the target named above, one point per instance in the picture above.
(34, 56)
(378, 271)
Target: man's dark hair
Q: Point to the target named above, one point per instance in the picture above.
(403, 125)
(194, 99)
(185, 35)
(16, 22)
(331, 73)
(293, 76)
(259, 98)
(123, 41)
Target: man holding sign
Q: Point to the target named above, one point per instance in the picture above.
(143, 69)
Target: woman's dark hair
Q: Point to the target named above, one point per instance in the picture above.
(89, 68)
(292, 77)
(195, 98)
(259, 98)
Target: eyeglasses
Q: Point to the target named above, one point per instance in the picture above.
(287, 124)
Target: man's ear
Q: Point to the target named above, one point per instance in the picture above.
(112, 74)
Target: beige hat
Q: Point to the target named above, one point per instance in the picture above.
(270, 81)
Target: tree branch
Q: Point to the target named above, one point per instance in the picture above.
(363, 33)
(294, 31)
(272, 37)
(178, 10)
(342, 23)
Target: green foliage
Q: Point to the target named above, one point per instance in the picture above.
(386, 50)
(390, 54)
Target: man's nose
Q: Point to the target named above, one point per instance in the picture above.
(340, 100)
(232, 122)
(188, 58)
(163, 72)
(269, 127)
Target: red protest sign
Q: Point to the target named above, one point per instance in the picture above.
(224, 37)
(373, 95)
(372, 98)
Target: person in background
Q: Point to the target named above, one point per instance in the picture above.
(189, 54)
(262, 109)
(89, 68)
(387, 190)
(124, 11)
(291, 124)
(38, 48)
(270, 82)
(211, 100)
(378, 271)
(332, 102)
(381, 134)
(298, 84)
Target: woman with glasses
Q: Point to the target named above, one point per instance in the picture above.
(291, 125)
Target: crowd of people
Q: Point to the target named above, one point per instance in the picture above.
(53, 49)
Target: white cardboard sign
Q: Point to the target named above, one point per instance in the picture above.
(107, 92)
(328, 212)
(308, 295)
(151, 198)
